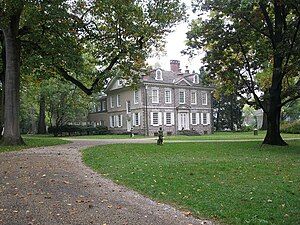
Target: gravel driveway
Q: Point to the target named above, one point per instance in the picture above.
(51, 185)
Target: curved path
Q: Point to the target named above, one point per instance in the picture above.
(51, 185)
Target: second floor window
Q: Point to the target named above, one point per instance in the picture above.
(136, 97)
(103, 105)
(118, 100)
(128, 107)
(181, 97)
(168, 96)
(155, 98)
(194, 97)
(204, 98)
(112, 102)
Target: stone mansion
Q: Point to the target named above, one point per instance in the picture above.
(173, 100)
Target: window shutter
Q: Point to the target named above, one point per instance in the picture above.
(139, 116)
(208, 118)
(172, 118)
(151, 119)
(197, 118)
(159, 118)
(110, 121)
(133, 119)
(121, 118)
(191, 118)
(201, 118)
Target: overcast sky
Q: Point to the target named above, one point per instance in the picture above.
(175, 44)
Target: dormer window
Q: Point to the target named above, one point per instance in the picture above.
(196, 79)
(120, 82)
(158, 75)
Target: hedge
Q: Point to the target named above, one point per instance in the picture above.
(77, 130)
(292, 127)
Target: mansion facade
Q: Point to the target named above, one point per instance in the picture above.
(173, 100)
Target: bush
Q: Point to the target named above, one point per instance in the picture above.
(247, 128)
(292, 128)
(77, 130)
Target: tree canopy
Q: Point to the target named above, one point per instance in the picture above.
(252, 49)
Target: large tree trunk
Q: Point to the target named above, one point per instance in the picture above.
(264, 125)
(2, 77)
(42, 116)
(12, 134)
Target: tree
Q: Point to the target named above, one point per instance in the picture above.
(119, 33)
(244, 38)
(228, 112)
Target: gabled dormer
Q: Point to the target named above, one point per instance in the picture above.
(158, 74)
(196, 79)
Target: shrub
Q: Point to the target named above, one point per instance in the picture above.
(292, 128)
(77, 130)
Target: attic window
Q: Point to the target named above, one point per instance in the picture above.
(196, 79)
(120, 82)
(158, 75)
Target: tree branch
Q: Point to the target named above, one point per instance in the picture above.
(256, 28)
(289, 100)
(268, 21)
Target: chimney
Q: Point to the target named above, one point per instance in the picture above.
(187, 70)
(175, 65)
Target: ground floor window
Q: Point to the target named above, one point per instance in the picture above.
(168, 118)
(194, 118)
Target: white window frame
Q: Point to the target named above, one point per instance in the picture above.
(120, 121)
(170, 96)
(195, 98)
(159, 119)
(158, 75)
(194, 118)
(196, 79)
(128, 107)
(156, 97)
(103, 105)
(112, 102)
(136, 119)
(204, 98)
(168, 117)
(136, 96)
(180, 97)
(118, 100)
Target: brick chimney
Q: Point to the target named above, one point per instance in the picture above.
(175, 66)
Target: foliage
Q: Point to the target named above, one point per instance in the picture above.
(234, 183)
(77, 130)
(244, 42)
(292, 128)
(227, 112)
(291, 111)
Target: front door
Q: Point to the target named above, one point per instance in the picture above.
(183, 121)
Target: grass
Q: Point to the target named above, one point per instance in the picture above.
(108, 136)
(34, 141)
(228, 136)
(233, 183)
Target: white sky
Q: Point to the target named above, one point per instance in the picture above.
(175, 43)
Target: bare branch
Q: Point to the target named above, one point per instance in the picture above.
(268, 21)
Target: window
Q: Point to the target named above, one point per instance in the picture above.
(118, 101)
(196, 79)
(155, 119)
(120, 82)
(103, 105)
(136, 119)
(194, 118)
(168, 118)
(112, 102)
(194, 97)
(168, 96)
(204, 118)
(112, 121)
(119, 120)
(155, 98)
(136, 97)
(158, 75)
(181, 97)
(204, 98)
(128, 107)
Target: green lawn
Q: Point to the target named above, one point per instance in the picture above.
(34, 141)
(109, 136)
(234, 183)
(228, 136)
